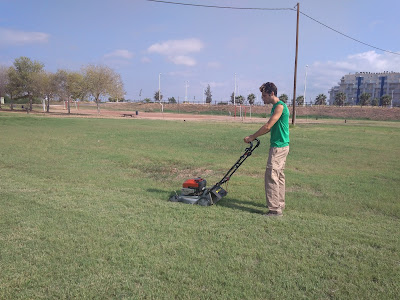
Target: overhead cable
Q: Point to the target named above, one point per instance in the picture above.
(216, 6)
(349, 37)
(261, 8)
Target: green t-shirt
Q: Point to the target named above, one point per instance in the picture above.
(280, 130)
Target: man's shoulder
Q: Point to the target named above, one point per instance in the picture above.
(282, 105)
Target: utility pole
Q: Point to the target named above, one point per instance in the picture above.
(295, 67)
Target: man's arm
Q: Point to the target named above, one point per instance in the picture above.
(267, 126)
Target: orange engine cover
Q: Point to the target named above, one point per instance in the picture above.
(194, 183)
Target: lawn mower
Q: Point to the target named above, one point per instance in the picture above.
(194, 190)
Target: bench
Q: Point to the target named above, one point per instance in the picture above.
(128, 115)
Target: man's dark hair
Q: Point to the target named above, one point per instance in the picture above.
(268, 88)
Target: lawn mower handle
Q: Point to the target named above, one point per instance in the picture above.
(251, 145)
(247, 152)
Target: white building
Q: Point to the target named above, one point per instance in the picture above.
(375, 84)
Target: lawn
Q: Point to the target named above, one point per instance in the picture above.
(84, 212)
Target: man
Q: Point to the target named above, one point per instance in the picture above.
(278, 125)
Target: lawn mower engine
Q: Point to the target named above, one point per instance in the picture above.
(194, 191)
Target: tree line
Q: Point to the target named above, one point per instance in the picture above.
(27, 79)
(365, 99)
(158, 97)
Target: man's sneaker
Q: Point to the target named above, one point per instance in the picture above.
(273, 214)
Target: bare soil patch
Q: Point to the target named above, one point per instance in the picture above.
(221, 113)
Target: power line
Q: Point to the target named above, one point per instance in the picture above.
(260, 8)
(216, 6)
(349, 37)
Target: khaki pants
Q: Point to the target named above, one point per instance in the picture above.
(275, 178)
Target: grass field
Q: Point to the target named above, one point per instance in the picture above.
(84, 212)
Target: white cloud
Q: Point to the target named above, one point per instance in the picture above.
(17, 37)
(325, 75)
(214, 84)
(174, 47)
(184, 73)
(177, 50)
(376, 23)
(182, 60)
(145, 60)
(214, 65)
(124, 54)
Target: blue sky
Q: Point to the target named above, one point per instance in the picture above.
(140, 39)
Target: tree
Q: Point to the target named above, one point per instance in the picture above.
(156, 97)
(340, 98)
(300, 100)
(283, 98)
(23, 79)
(117, 91)
(208, 94)
(251, 97)
(12, 86)
(3, 81)
(320, 100)
(46, 87)
(111, 99)
(365, 99)
(375, 102)
(239, 99)
(76, 86)
(385, 100)
(102, 81)
(171, 100)
(232, 97)
(61, 79)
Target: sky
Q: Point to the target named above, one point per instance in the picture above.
(183, 49)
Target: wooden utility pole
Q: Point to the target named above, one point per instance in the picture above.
(295, 67)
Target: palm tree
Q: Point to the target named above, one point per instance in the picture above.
(156, 97)
(284, 98)
(340, 98)
(320, 100)
(251, 98)
(364, 99)
(385, 100)
(239, 99)
(300, 100)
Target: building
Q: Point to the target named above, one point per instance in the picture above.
(375, 84)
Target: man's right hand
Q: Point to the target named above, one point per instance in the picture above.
(248, 139)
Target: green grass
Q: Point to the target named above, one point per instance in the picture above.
(84, 212)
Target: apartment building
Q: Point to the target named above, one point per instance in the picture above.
(376, 84)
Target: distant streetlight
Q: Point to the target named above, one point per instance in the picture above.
(234, 92)
(159, 93)
(186, 86)
(159, 87)
(305, 87)
(391, 102)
